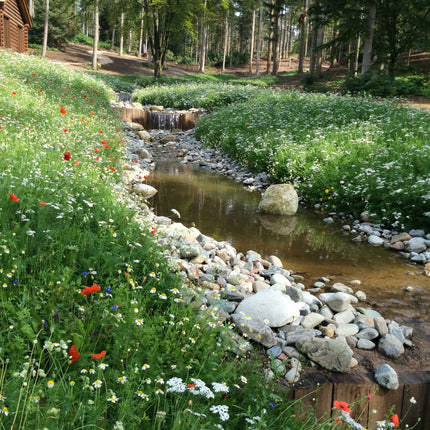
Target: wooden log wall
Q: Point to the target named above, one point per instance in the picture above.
(17, 37)
(186, 121)
(318, 391)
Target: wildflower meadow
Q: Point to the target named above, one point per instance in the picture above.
(96, 330)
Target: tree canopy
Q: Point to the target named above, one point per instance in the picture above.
(355, 34)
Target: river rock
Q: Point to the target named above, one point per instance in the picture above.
(295, 293)
(338, 302)
(254, 328)
(339, 287)
(390, 346)
(277, 278)
(375, 240)
(259, 285)
(386, 376)
(143, 153)
(381, 326)
(365, 344)
(270, 305)
(144, 135)
(367, 333)
(312, 320)
(344, 317)
(280, 199)
(416, 244)
(144, 190)
(331, 354)
(275, 261)
(346, 330)
(402, 237)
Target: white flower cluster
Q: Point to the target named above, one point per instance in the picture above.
(222, 410)
(176, 385)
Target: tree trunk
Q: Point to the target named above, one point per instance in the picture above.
(202, 62)
(203, 42)
(45, 29)
(31, 8)
(121, 34)
(275, 43)
(302, 27)
(141, 34)
(96, 33)
(368, 40)
(130, 40)
(112, 42)
(319, 53)
(251, 49)
(357, 56)
(224, 54)
(260, 38)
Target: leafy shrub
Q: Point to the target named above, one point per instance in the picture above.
(381, 84)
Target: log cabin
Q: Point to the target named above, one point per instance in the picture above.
(15, 20)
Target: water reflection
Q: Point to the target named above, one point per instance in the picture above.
(223, 209)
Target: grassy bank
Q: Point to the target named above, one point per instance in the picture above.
(96, 331)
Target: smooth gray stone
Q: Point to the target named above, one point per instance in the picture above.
(365, 344)
(386, 376)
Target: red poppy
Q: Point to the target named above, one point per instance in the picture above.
(100, 132)
(13, 93)
(191, 385)
(100, 355)
(395, 420)
(89, 290)
(62, 110)
(338, 404)
(42, 203)
(103, 142)
(67, 156)
(13, 197)
(77, 163)
(153, 230)
(112, 168)
(74, 354)
(65, 130)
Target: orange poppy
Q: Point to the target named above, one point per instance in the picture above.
(338, 404)
(100, 355)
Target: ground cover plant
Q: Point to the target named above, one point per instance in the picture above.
(194, 95)
(96, 330)
(346, 154)
(129, 83)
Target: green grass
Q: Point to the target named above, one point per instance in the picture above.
(347, 154)
(65, 228)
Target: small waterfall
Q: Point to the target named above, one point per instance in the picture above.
(161, 120)
(164, 120)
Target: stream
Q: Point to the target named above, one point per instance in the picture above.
(225, 210)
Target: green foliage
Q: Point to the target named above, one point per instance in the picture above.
(194, 95)
(63, 23)
(383, 85)
(344, 153)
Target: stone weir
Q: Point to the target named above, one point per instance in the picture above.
(158, 118)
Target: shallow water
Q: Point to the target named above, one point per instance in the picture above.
(225, 210)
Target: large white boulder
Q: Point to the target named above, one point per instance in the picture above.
(279, 199)
(271, 305)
